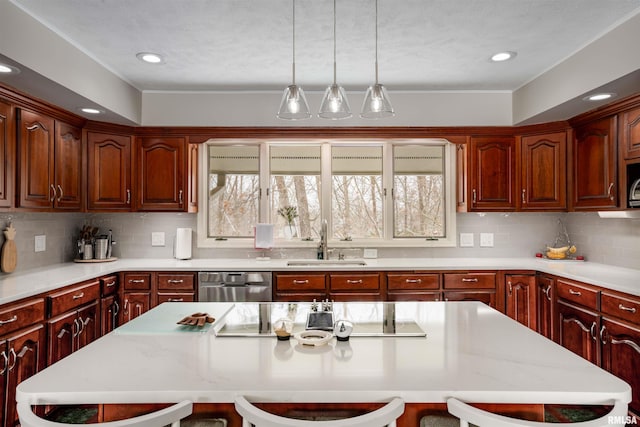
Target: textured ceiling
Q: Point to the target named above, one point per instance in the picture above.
(246, 44)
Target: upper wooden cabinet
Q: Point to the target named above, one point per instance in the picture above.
(630, 133)
(7, 147)
(50, 163)
(161, 174)
(109, 172)
(595, 165)
(543, 172)
(492, 173)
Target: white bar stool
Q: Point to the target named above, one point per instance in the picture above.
(254, 416)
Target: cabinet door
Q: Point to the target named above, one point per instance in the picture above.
(134, 304)
(89, 321)
(161, 174)
(7, 144)
(192, 205)
(546, 295)
(621, 355)
(68, 167)
(62, 332)
(577, 331)
(630, 133)
(109, 310)
(109, 171)
(543, 166)
(35, 139)
(595, 171)
(521, 299)
(492, 173)
(26, 359)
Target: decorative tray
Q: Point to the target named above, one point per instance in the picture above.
(95, 260)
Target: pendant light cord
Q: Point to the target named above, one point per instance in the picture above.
(293, 64)
(376, 41)
(334, 42)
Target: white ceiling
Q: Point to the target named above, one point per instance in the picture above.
(246, 44)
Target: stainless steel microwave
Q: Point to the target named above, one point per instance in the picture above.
(634, 194)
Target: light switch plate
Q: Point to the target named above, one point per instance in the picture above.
(41, 243)
(486, 240)
(157, 238)
(466, 240)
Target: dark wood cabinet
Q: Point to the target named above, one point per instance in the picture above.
(546, 305)
(487, 297)
(630, 134)
(192, 202)
(543, 172)
(7, 156)
(595, 165)
(492, 173)
(521, 299)
(410, 286)
(577, 329)
(67, 178)
(161, 174)
(73, 330)
(109, 172)
(134, 304)
(109, 311)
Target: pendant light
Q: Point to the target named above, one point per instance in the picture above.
(294, 104)
(334, 102)
(376, 103)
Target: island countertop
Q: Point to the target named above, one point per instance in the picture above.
(469, 351)
(25, 284)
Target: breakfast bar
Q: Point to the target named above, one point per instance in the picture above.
(434, 350)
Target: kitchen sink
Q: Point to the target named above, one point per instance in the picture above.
(311, 262)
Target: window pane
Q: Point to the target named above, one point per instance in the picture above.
(295, 186)
(418, 191)
(356, 192)
(233, 190)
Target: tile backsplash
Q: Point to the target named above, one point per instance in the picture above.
(610, 241)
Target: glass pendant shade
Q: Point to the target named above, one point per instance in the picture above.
(294, 104)
(376, 103)
(334, 104)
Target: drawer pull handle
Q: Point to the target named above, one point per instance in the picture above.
(136, 280)
(572, 292)
(78, 296)
(354, 282)
(413, 280)
(475, 279)
(13, 319)
(629, 309)
(175, 281)
(175, 299)
(300, 282)
(108, 285)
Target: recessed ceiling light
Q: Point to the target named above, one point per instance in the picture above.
(599, 96)
(8, 69)
(91, 110)
(503, 56)
(150, 57)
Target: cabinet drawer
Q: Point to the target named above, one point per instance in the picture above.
(176, 281)
(622, 307)
(176, 297)
(470, 280)
(137, 281)
(302, 282)
(109, 285)
(409, 281)
(582, 294)
(69, 299)
(354, 282)
(20, 315)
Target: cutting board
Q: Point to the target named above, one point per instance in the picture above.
(9, 254)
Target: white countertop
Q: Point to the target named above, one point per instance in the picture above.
(20, 285)
(470, 351)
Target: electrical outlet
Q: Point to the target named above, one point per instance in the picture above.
(466, 240)
(41, 243)
(370, 253)
(157, 238)
(486, 240)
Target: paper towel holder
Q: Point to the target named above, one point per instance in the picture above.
(263, 239)
(182, 244)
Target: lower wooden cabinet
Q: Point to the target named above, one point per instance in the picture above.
(109, 313)
(71, 331)
(546, 306)
(134, 304)
(577, 330)
(487, 297)
(521, 298)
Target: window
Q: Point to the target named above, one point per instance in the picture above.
(372, 193)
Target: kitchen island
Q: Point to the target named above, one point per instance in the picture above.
(462, 349)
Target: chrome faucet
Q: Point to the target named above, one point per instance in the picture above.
(324, 247)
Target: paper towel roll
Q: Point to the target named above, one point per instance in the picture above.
(183, 243)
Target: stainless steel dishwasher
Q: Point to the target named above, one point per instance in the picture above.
(253, 286)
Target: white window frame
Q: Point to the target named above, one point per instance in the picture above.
(387, 178)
